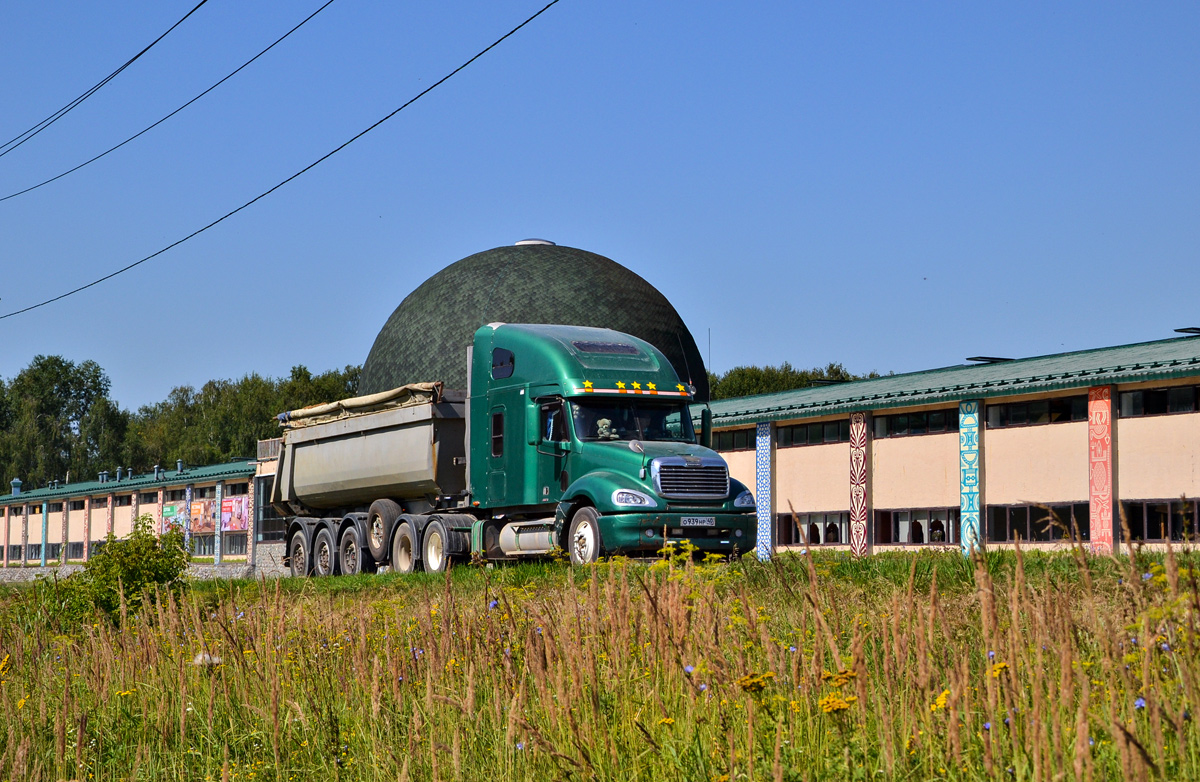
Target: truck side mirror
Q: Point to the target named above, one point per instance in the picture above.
(706, 428)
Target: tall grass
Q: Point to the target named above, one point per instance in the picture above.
(922, 666)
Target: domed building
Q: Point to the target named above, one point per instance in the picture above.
(533, 281)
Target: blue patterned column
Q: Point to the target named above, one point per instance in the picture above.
(218, 538)
(764, 483)
(187, 519)
(970, 472)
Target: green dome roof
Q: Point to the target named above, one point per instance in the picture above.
(427, 336)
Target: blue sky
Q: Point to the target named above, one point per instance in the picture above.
(891, 186)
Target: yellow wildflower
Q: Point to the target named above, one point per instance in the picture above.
(940, 702)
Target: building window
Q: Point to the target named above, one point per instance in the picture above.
(99, 502)
(122, 500)
(917, 527)
(1157, 401)
(177, 495)
(202, 545)
(54, 507)
(35, 551)
(1152, 520)
(75, 550)
(905, 424)
(204, 492)
(148, 498)
(75, 505)
(734, 440)
(1037, 523)
(812, 434)
(237, 489)
(813, 529)
(268, 523)
(234, 544)
(1041, 411)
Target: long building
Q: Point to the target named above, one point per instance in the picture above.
(1036, 449)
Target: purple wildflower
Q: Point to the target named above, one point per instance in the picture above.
(1140, 703)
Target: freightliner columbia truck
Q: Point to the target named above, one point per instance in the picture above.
(568, 440)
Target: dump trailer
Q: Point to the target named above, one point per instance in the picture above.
(568, 439)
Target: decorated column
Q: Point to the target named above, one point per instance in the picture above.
(65, 546)
(218, 538)
(108, 521)
(87, 528)
(860, 489)
(25, 534)
(970, 471)
(1104, 521)
(251, 522)
(188, 493)
(45, 532)
(135, 505)
(764, 500)
(7, 522)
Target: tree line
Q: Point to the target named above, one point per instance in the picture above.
(58, 421)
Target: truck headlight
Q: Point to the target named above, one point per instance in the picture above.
(744, 500)
(632, 498)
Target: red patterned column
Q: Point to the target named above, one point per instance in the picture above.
(860, 495)
(108, 524)
(64, 547)
(1102, 493)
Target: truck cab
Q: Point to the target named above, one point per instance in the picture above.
(581, 439)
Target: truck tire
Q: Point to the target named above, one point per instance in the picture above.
(298, 556)
(583, 539)
(434, 547)
(404, 549)
(324, 554)
(350, 553)
(380, 518)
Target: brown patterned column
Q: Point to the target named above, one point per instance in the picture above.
(860, 484)
(135, 504)
(66, 519)
(25, 534)
(1103, 503)
(87, 528)
(162, 497)
(7, 521)
(108, 524)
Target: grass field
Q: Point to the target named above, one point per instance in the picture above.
(921, 666)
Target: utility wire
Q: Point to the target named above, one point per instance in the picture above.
(21, 138)
(304, 170)
(173, 113)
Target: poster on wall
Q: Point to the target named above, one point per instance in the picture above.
(173, 517)
(204, 517)
(235, 512)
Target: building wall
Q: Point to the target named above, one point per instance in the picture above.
(814, 478)
(53, 525)
(741, 467)
(1158, 457)
(122, 520)
(915, 472)
(77, 525)
(1047, 463)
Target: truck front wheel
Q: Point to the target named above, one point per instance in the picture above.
(435, 557)
(584, 536)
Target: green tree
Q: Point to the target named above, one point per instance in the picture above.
(748, 381)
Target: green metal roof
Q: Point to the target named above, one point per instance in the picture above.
(242, 468)
(1162, 360)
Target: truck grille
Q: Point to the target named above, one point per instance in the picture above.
(701, 482)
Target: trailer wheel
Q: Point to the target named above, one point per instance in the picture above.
(435, 547)
(584, 537)
(324, 554)
(380, 518)
(350, 553)
(298, 556)
(404, 551)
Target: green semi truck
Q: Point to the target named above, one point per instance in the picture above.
(567, 440)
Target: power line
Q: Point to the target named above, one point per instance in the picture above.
(21, 138)
(304, 170)
(173, 113)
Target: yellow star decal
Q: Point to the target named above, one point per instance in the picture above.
(637, 385)
(651, 386)
(587, 384)
(620, 384)
(679, 386)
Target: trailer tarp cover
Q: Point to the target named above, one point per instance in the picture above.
(409, 395)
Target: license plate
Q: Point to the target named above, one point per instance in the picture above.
(698, 521)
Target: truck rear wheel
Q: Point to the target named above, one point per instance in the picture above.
(584, 536)
(324, 554)
(435, 547)
(404, 551)
(350, 553)
(380, 518)
(298, 556)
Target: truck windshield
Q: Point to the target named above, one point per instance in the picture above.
(632, 419)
